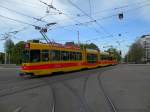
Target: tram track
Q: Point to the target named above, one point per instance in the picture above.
(109, 100)
(49, 81)
(30, 84)
(81, 100)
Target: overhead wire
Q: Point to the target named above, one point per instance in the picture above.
(24, 3)
(122, 6)
(77, 23)
(89, 17)
(107, 17)
(90, 7)
(16, 20)
(119, 7)
(38, 19)
(22, 22)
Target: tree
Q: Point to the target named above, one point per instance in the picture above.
(14, 51)
(18, 49)
(115, 53)
(136, 53)
(89, 46)
(9, 46)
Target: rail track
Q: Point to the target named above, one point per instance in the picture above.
(25, 85)
(49, 81)
(109, 101)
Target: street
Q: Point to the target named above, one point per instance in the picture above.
(120, 88)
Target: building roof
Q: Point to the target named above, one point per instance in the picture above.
(144, 36)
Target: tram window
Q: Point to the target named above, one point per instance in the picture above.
(71, 56)
(110, 58)
(65, 55)
(55, 55)
(35, 56)
(45, 55)
(74, 56)
(79, 56)
(103, 57)
(92, 58)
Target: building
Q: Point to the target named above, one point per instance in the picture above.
(145, 42)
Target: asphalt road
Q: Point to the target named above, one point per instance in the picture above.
(121, 88)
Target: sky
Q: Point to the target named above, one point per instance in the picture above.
(96, 20)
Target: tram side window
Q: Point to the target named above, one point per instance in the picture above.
(72, 56)
(92, 58)
(35, 56)
(75, 56)
(55, 55)
(110, 58)
(64, 55)
(79, 56)
(45, 55)
(104, 57)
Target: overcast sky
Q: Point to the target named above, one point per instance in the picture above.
(104, 32)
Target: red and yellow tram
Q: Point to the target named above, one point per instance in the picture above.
(43, 59)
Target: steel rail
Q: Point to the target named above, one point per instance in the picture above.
(114, 109)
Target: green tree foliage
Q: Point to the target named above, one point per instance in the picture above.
(115, 53)
(89, 46)
(14, 51)
(9, 48)
(9, 44)
(18, 49)
(135, 54)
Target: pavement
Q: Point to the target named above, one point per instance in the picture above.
(127, 86)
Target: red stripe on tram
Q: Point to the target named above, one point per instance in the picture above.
(50, 66)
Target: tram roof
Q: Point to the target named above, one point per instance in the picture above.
(51, 46)
(104, 53)
(92, 50)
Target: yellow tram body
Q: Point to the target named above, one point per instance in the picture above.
(44, 59)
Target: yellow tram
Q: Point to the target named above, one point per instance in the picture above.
(43, 59)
